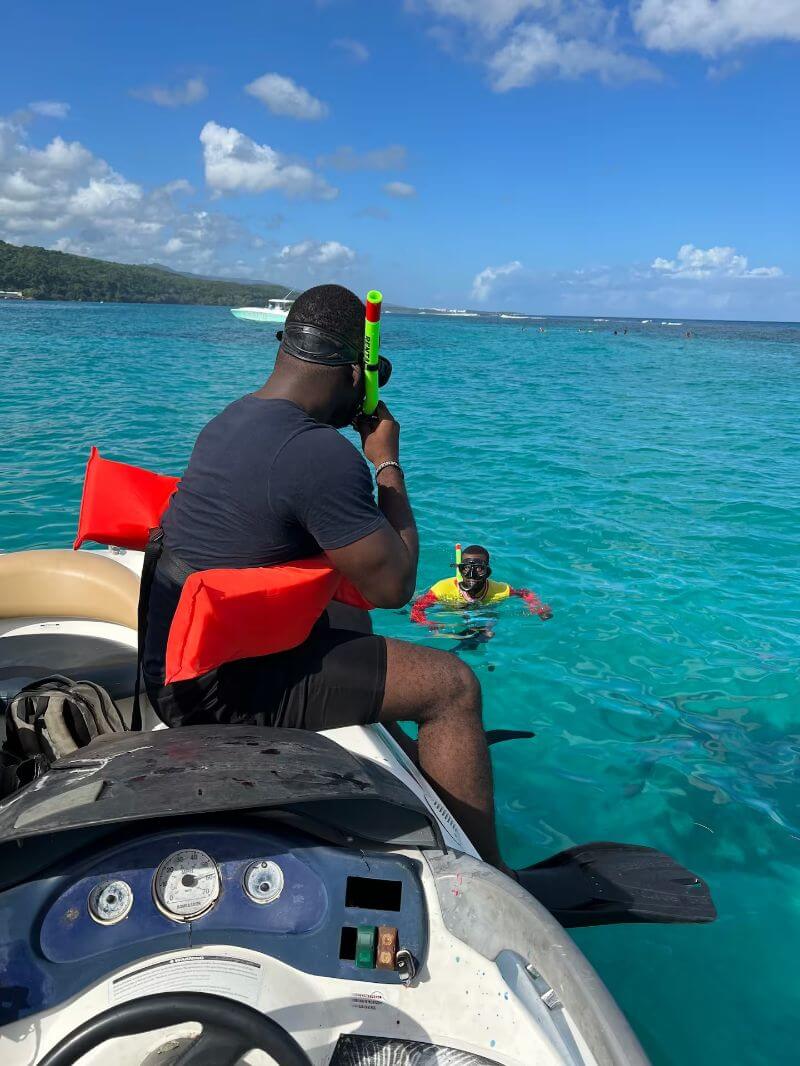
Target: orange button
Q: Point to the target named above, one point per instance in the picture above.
(387, 947)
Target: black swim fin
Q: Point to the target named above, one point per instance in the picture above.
(497, 736)
(605, 884)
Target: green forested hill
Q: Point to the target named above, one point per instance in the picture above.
(44, 275)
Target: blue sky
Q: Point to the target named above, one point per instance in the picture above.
(551, 156)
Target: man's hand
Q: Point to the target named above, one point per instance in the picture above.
(383, 565)
(380, 435)
(533, 603)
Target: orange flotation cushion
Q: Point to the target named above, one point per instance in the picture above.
(222, 615)
(225, 615)
(121, 503)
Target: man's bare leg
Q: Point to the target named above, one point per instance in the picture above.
(409, 746)
(441, 694)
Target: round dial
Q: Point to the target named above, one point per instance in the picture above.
(263, 881)
(186, 884)
(110, 901)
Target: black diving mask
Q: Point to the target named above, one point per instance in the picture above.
(473, 570)
(313, 344)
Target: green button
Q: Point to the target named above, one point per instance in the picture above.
(366, 936)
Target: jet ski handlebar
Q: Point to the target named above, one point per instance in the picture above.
(230, 1030)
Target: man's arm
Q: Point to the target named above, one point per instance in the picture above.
(533, 603)
(383, 565)
(421, 604)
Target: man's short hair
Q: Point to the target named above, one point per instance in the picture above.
(476, 549)
(331, 307)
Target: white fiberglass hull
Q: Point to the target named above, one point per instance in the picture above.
(258, 314)
(500, 983)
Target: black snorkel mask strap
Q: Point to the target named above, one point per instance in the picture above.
(313, 344)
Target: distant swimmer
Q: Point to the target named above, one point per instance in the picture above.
(472, 587)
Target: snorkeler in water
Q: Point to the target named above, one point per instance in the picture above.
(472, 587)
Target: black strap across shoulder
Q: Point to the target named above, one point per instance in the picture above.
(156, 556)
(152, 553)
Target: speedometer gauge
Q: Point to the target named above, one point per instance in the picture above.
(186, 885)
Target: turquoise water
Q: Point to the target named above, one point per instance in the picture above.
(647, 487)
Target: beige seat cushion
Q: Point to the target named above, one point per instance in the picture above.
(59, 583)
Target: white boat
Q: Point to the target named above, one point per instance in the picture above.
(275, 311)
(518, 318)
(304, 894)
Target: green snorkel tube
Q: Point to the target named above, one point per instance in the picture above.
(458, 561)
(372, 351)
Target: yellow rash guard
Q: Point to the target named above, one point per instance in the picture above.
(447, 591)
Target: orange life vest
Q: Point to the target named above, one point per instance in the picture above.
(222, 615)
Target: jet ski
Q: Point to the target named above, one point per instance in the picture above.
(219, 894)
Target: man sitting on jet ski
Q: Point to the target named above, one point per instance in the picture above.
(270, 481)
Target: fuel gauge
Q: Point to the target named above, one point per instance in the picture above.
(110, 902)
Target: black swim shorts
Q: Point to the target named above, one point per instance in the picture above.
(335, 678)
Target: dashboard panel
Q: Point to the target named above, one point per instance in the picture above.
(310, 905)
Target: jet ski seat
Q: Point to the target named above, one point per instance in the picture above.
(29, 657)
(60, 583)
(48, 585)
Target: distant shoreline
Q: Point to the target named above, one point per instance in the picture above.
(41, 274)
(59, 277)
(534, 321)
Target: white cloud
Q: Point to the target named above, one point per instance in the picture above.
(311, 262)
(534, 53)
(189, 92)
(285, 97)
(235, 163)
(318, 253)
(49, 108)
(400, 190)
(355, 50)
(490, 16)
(722, 71)
(105, 196)
(393, 157)
(173, 187)
(64, 196)
(712, 27)
(522, 42)
(717, 262)
(483, 283)
(696, 283)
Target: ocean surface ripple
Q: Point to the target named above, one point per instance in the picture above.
(647, 486)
